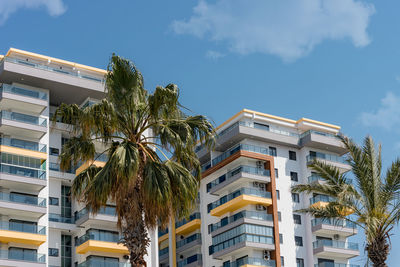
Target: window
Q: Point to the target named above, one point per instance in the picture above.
(24, 254)
(54, 151)
(66, 251)
(279, 216)
(297, 218)
(282, 261)
(53, 252)
(296, 197)
(281, 238)
(298, 240)
(299, 262)
(210, 250)
(276, 173)
(66, 206)
(294, 176)
(272, 151)
(53, 201)
(278, 196)
(261, 126)
(292, 155)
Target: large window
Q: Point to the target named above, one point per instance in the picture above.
(66, 206)
(66, 251)
(24, 254)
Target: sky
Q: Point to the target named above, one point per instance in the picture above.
(337, 61)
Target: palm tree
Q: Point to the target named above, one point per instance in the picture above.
(371, 202)
(150, 144)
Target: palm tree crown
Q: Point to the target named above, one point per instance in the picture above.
(150, 144)
(371, 201)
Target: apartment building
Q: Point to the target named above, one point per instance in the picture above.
(246, 215)
(40, 225)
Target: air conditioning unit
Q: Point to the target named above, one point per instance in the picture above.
(260, 164)
(256, 184)
(267, 254)
(260, 207)
(261, 185)
(336, 237)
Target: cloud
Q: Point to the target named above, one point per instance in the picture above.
(289, 29)
(388, 114)
(7, 7)
(214, 54)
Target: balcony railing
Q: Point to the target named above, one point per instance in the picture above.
(108, 237)
(22, 171)
(11, 89)
(237, 193)
(253, 262)
(56, 167)
(23, 199)
(333, 222)
(243, 238)
(62, 219)
(255, 215)
(192, 217)
(335, 244)
(322, 198)
(163, 251)
(103, 263)
(20, 255)
(111, 211)
(319, 133)
(42, 66)
(188, 240)
(19, 117)
(328, 157)
(189, 260)
(230, 174)
(245, 147)
(18, 143)
(331, 264)
(23, 227)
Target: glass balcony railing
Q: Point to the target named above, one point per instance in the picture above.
(328, 157)
(240, 169)
(333, 222)
(319, 133)
(23, 199)
(22, 171)
(163, 251)
(242, 238)
(237, 193)
(40, 65)
(101, 157)
(315, 178)
(22, 255)
(62, 219)
(18, 143)
(11, 89)
(245, 147)
(188, 240)
(189, 260)
(192, 217)
(253, 262)
(331, 264)
(102, 236)
(335, 244)
(56, 167)
(258, 126)
(19, 117)
(23, 227)
(103, 263)
(321, 198)
(255, 215)
(111, 211)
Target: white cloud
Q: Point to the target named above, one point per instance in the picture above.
(388, 114)
(289, 29)
(214, 54)
(7, 7)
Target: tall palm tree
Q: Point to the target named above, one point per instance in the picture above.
(371, 202)
(150, 144)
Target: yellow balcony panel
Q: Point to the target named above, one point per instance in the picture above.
(188, 227)
(101, 246)
(163, 238)
(7, 236)
(85, 165)
(323, 204)
(240, 202)
(23, 152)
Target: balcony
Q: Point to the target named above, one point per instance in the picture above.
(330, 264)
(56, 172)
(162, 235)
(185, 227)
(163, 254)
(251, 262)
(239, 199)
(22, 233)
(238, 175)
(335, 249)
(106, 215)
(336, 161)
(25, 99)
(321, 201)
(246, 216)
(15, 203)
(333, 226)
(103, 263)
(192, 261)
(100, 161)
(188, 242)
(22, 178)
(23, 148)
(323, 141)
(100, 243)
(57, 221)
(13, 123)
(19, 258)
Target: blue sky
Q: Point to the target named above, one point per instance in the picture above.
(337, 61)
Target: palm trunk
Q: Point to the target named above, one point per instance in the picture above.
(378, 251)
(136, 240)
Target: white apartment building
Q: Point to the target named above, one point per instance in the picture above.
(247, 215)
(39, 223)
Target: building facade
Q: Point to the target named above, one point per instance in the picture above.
(246, 214)
(40, 224)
